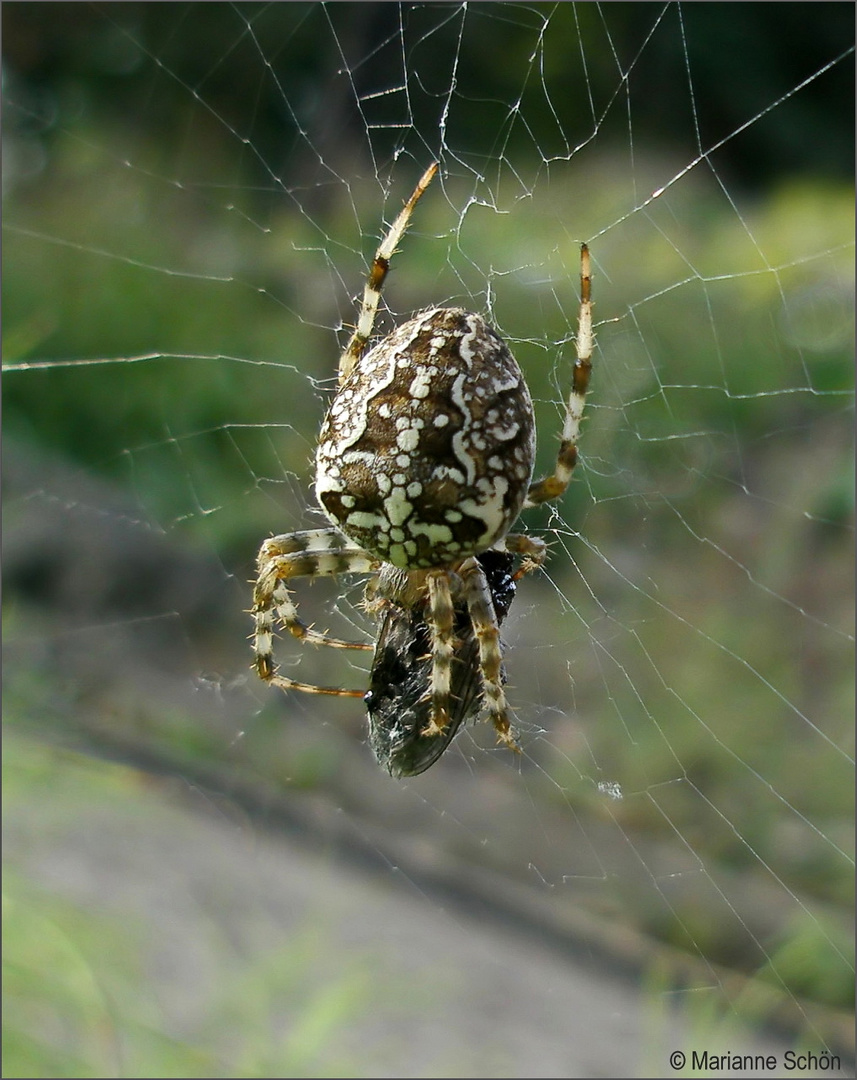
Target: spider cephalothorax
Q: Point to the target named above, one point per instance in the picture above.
(424, 461)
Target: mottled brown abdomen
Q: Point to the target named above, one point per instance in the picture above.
(427, 451)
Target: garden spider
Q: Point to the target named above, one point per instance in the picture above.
(424, 462)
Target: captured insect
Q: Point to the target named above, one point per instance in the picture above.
(424, 462)
(397, 701)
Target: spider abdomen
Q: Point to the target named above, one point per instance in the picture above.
(427, 451)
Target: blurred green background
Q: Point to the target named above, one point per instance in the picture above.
(192, 194)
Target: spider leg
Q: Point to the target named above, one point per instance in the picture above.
(477, 595)
(551, 487)
(377, 275)
(314, 553)
(309, 554)
(533, 551)
(441, 622)
(284, 683)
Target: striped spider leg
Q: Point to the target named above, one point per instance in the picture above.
(553, 486)
(311, 553)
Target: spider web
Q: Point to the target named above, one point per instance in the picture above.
(193, 198)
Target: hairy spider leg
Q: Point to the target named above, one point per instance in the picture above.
(314, 553)
(552, 487)
(377, 275)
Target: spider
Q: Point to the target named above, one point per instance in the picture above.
(424, 462)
